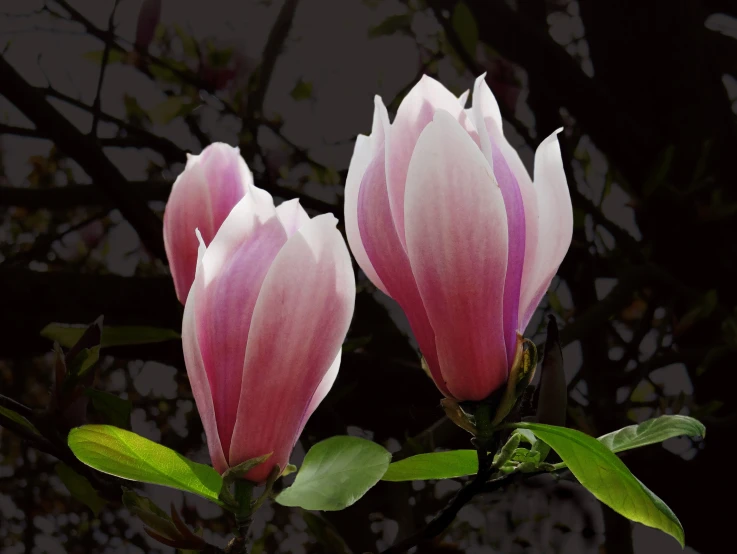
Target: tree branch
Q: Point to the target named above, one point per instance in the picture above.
(103, 67)
(479, 485)
(86, 153)
(594, 107)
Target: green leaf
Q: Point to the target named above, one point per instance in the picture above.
(555, 303)
(171, 108)
(464, 24)
(84, 360)
(233, 474)
(659, 171)
(189, 44)
(435, 465)
(302, 90)
(117, 410)
(325, 534)
(19, 419)
(219, 57)
(336, 473)
(68, 335)
(393, 24)
(130, 456)
(148, 512)
(600, 471)
(526, 435)
(652, 431)
(80, 488)
(114, 56)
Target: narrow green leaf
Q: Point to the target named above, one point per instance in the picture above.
(117, 410)
(464, 24)
(336, 473)
(434, 465)
(68, 335)
(130, 456)
(325, 534)
(235, 472)
(84, 361)
(393, 24)
(148, 512)
(189, 44)
(171, 108)
(114, 56)
(302, 90)
(19, 419)
(600, 471)
(652, 431)
(80, 488)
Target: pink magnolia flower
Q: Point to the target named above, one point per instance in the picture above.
(201, 198)
(442, 216)
(263, 326)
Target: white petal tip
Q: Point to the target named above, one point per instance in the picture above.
(552, 136)
(199, 237)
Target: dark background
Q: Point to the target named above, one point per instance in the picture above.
(645, 298)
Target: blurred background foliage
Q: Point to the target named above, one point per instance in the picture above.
(101, 101)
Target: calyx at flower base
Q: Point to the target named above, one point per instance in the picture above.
(476, 417)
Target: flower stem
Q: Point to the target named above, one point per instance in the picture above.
(243, 517)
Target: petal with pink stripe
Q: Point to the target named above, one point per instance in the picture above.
(299, 322)
(457, 245)
(234, 267)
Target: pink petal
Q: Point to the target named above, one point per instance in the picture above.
(555, 224)
(320, 393)
(299, 323)
(228, 178)
(390, 261)
(234, 267)
(186, 210)
(485, 108)
(196, 371)
(463, 98)
(292, 216)
(362, 154)
(202, 197)
(415, 112)
(457, 244)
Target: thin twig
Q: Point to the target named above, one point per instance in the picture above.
(103, 67)
(479, 485)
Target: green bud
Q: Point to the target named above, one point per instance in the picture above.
(507, 451)
(522, 372)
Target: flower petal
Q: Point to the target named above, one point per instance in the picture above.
(292, 215)
(457, 245)
(555, 224)
(320, 393)
(228, 179)
(485, 108)
(362, 155)
(196, 371)
(414, 113)
(234, 267)
(299, 323)
(379, 237)
(186, 210)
